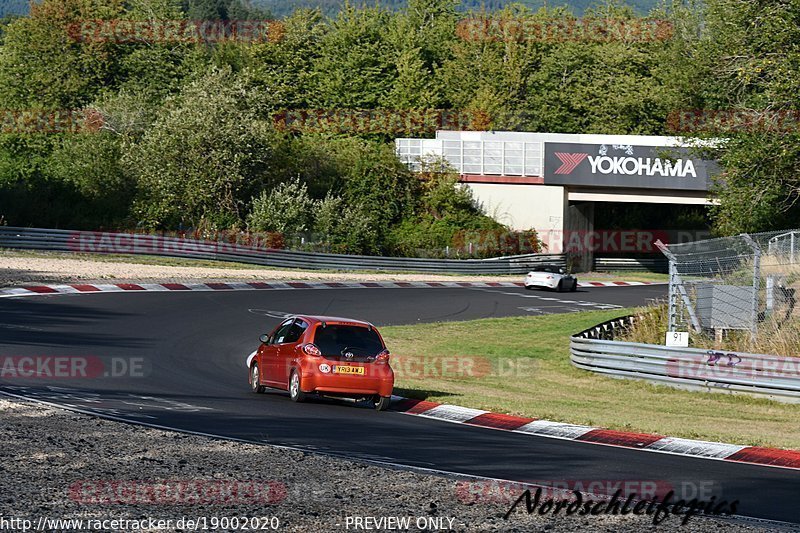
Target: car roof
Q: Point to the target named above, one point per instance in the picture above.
(334, 320)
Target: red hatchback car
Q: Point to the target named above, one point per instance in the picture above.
(328, 356)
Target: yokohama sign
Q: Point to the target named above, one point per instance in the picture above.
(614, 165)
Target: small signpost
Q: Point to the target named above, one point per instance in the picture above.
(677, 339)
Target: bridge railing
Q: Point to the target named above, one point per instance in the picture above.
(499, 158)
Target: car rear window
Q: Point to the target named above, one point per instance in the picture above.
(547, 268)
(333, 339)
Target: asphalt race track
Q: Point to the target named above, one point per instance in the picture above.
(190, 350)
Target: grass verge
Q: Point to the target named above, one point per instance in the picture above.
(623, 275)
(548, 386)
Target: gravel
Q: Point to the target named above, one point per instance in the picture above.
(56, 460)
(16, 269)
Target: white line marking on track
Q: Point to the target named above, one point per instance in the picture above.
(554, 429)
(580, 303)
(453, 413)
(695, 447)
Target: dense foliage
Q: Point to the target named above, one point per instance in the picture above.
(188, 135)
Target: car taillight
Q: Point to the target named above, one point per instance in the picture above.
(383, 357)
(311, 349)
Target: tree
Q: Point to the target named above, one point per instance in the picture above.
(348, 229)
(284, 67)
(355, 69)
(422, 37)
(376, 179)
(284, 209)
(490, 74)
(743, 59)
(154, 69)
(442, 208)
(590, 85)
(223, 10)
(44, 64)
(203, 158)
(89, 163)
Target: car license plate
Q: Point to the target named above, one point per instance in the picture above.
(348, 370)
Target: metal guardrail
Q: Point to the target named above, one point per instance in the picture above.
(500, 158)
(141, 244)
(767, 376)
(611, 264)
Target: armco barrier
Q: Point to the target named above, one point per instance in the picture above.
(612, 264)
(140, 244)
(768, 376)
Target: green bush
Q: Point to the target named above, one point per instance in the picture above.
(442, 210)
(285, 209)
(347, 229)
(202, 157)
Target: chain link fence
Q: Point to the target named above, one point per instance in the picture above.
(745, 283)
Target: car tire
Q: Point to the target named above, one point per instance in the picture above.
(382, 403)
(529, 287)
(560, 287)
(574, 286)
(255, 386)
(295, 392)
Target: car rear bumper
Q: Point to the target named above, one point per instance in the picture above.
(542, 284)
(374, 382)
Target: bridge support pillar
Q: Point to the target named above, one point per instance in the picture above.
(579, 223)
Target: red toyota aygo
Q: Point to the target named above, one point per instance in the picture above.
(327, 356)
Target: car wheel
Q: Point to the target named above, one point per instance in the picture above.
(382, 402)
(295, 393)
(560, 287)
(255, 386)
(574, 286)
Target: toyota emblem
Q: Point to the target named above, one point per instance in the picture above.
(348, 355)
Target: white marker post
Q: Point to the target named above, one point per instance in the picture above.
(677, 339)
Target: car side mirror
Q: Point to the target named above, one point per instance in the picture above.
(264, 338)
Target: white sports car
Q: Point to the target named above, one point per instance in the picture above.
(551, 277)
